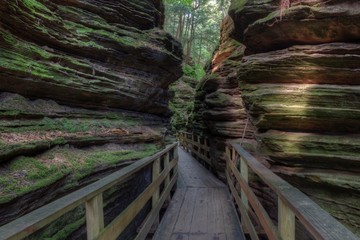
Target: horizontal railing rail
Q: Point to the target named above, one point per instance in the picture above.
(292, 203)
(92, 197)
(197, 145)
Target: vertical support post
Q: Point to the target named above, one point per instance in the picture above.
(175, 156)
(228, 158)
(233, 156)
(206, 152)
(94, 217)
(156, 196)
(166, 167)
(244, 170)
(229, 173)
(286, 221)
(192, 140)
(199, 145)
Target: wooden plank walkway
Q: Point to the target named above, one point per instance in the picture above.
(201, 208)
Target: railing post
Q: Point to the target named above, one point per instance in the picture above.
(156, 196)
(166, 167)
(286, 222)
(94, 217)
(244, 170)
(199, 145)
(228, 158)
(175, 156)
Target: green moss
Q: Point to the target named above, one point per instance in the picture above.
(26, 174)
(38, 9)
(18, 62)
(10, 113)
(67, 230)
(37, 176)
(237, 5)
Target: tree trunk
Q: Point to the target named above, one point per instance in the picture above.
(180, 27)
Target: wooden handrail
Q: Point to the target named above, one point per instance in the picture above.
(91, 196)
(292, 203)
(202, 151)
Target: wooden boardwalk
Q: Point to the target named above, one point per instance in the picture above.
(201, 208)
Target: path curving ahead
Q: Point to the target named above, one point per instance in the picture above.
(201, 208)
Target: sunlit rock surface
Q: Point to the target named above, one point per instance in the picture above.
(219, 106)
(299, 82)
(83, 93)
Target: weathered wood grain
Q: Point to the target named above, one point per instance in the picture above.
(317, 221)
(94, 217)
(261, 213)
(32, 222)
(201, 209)
(119, 224)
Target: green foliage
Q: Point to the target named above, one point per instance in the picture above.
(197, 71)
(196, 24)
(180, 2)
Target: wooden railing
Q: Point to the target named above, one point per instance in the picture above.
(92, 197)
(292, 203)
(197, 145)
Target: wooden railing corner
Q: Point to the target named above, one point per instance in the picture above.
(292, 203)
(92, 197)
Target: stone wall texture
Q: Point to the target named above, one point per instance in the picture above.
(83, 92)
(289, 86)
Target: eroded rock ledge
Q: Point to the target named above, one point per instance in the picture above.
(90, 54)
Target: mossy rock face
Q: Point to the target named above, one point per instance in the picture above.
(312, 22)
(219, 109)
(83, 93)
(88, 54)
(182, 103)
(245, 12)
(49, 149)
(299, 83)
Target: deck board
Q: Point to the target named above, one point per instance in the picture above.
(201, 208)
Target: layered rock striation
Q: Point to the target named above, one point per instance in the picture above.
(90, 54)
(83, 93)
(182, 103)
(219, 107)
(299, 82)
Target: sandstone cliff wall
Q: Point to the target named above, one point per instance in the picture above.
(83, 92)
(298, 80)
